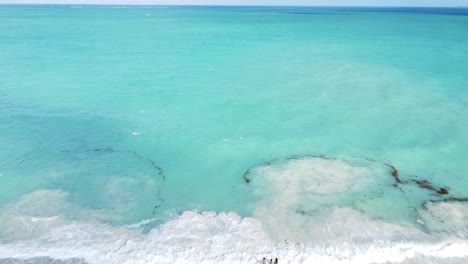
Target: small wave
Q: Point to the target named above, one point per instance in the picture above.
(211, 237)
(336, 235)
(143, 223)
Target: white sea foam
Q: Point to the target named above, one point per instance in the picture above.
(227, 238)
(293, 193)
(41, 224)
(445, 216)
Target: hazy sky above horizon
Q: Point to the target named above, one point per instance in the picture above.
(255, 2)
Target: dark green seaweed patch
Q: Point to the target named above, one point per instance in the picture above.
(158, 169)
(394, 172)
(425, 184)
(151, 162)
(452, 199)
(443, 191)
(245, 176)
(101, 150)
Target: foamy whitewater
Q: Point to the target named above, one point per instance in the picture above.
(226, 135)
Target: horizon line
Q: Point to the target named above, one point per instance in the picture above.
(221, 5)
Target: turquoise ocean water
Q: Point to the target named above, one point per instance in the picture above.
(228, 134)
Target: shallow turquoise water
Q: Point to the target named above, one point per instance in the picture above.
(94, 100)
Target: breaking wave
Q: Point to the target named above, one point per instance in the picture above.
(308, 210)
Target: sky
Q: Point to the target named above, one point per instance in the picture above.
(450, 3)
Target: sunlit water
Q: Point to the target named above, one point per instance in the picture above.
(209, 134)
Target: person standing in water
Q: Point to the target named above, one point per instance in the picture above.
(276, 260)
(264, 261)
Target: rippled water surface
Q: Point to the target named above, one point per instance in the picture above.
(227, 134)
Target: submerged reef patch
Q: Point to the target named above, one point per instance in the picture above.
(246, 175)
(153, 165)
(322, 181)
(453, 199)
